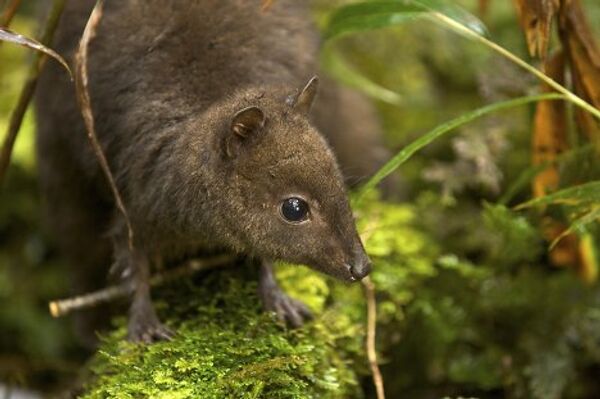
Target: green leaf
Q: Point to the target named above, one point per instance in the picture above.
(444, 128)
(371, 15)
(590, 217)
(580, 224)
(575, 196)
(377, 14)
(522, 181)
(529, 173)
(457, 13)
(380, 14)
(585, 197)
(334, 63)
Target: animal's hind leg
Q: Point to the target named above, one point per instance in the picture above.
(134, 267)
(144, 324)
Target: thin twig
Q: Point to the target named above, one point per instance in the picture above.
(18, 113)
(63, 307)
(9, 12)
(369, 290)
(83, 97)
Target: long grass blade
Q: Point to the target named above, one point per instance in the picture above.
(575, 195)
(336, 65)
(408, 151)
(525, 177)
(379, 14)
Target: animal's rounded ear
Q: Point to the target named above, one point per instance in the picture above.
(305, 99)
(245, 124)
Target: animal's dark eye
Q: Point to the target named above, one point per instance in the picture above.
(294, 210)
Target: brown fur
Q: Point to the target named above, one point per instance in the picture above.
(167, 78)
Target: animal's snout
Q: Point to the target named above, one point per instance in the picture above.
(361, 265)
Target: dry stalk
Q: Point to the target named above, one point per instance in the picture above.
(369, 290)
(18, 113)
(63, 307)
(9, 12)
(83, 97)
(266, 4)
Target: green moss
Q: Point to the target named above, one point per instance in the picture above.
(226, 346)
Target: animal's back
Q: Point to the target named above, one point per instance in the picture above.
(154, 62)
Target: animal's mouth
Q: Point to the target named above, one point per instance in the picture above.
(340, 270)
(359, 269)
(351, 274)
(345, 271)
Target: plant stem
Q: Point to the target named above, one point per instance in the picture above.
(63, 307)
(9, 13)
(85, 106)
(369, 290)
(18, 113)
(442, 129)
(569, 96)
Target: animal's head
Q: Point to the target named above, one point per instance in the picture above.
(288, 198)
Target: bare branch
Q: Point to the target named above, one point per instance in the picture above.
(63, 307)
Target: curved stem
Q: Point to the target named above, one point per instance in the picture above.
(569, 96)
(18, 113)
(369, 290)
(9, 13)
(408, 151)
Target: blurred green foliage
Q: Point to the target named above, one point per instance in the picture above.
(35, 350)
(468, 303)
(12, 75)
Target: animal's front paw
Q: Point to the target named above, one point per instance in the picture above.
(287, 309)
(146, 327)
